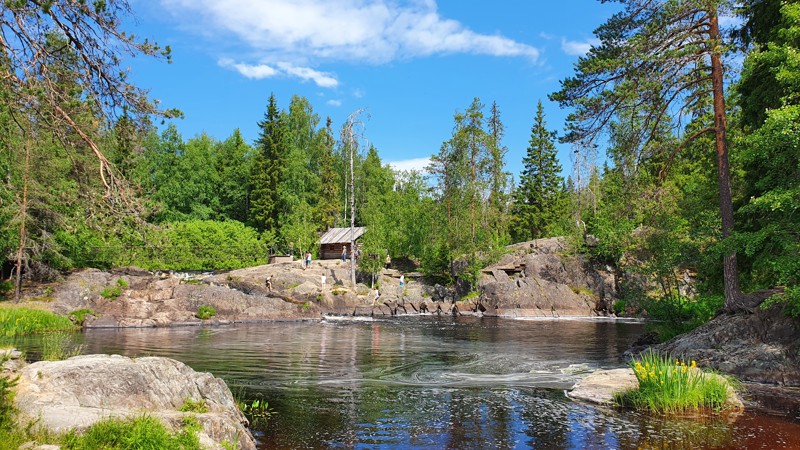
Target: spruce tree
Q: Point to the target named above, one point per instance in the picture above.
(267, 172)
(537, 198)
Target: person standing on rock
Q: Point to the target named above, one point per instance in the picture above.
(344, 253)
(269, 283)
(377, 295)
(322, 279)
(308, 259)
(402, 280)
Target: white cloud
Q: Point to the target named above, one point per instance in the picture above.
(418, 164)
(257, 72)
(333, 102)
(374, 31)
(578, 48)
(261, 71)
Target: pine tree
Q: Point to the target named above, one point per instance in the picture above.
(268, 170)
(538, 196)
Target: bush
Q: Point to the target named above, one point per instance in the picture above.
(205, 245)
(112, 292)
(22, 321)
(789, 299)
(671, 386)
(206, 312)
(676, 314)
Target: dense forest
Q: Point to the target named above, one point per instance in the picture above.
(685, 168)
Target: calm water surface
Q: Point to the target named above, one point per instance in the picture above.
(439, 382)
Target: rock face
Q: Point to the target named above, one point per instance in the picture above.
(763, 347)
(536, 279)
(540, 279)
(147, 300)
(82, 390)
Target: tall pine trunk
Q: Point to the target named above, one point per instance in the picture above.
(730, 269)
(23, 213)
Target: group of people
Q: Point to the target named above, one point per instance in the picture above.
(346, 255)
(307, 260)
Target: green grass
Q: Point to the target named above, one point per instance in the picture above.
(23, 321)
(206, 312)
(199, 406)
(140, 433)
(671, 386)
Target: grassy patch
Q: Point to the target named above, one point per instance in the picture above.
(670, 386)
(206, 312)
(24, 321)
(199, 406)
(140, 433)
(582, 290)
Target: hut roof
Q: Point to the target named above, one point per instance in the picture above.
(341, 235)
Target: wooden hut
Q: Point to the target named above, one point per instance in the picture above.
(332, 242)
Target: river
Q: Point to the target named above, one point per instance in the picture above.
(440, 382)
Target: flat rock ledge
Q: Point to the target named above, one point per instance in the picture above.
(600, 386)
(77, 392)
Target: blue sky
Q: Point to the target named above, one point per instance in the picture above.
(410, 64)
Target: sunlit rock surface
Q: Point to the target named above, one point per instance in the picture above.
(75, 393)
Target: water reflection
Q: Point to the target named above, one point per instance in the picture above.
(430, 382)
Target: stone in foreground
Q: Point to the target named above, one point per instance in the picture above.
(76, 393)
(600, 386)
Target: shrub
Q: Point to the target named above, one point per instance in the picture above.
(206, 312)
(671, 386)
(676, 314)
(140, 433)
(22, 321)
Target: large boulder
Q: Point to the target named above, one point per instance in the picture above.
(76, 393)
(763, 347)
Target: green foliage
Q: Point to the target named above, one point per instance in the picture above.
(78, 317)
(194, 406)
(140, 433)
(675, 314)
(205, 245)
(670, 386)
(205, 312)
(22, 321)
(7, 409)
(789, 299)
(257, 412)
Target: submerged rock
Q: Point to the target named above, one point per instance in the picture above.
(76, 393)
